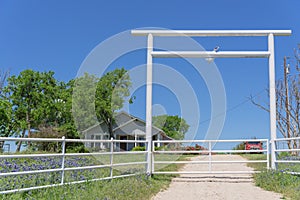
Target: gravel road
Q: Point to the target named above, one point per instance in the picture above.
(216, 186)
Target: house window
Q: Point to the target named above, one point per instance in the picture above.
(92, 143)
(99, 145)
(105, 145)
(141, 144)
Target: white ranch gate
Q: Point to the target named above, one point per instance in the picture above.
(207, 155)
(210, 54)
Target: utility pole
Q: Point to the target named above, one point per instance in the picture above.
(286, 85)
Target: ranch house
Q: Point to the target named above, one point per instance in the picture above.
(126, 127)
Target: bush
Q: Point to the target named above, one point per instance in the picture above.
(77, 149)
(160, 148)
(240, 146)
(138, 148)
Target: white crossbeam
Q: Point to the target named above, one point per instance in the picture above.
(208, 33)
(210, 54)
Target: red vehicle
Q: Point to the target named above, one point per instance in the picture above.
(253, 145)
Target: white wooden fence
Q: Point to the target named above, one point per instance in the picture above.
(111, 152)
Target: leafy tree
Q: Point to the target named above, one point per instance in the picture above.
(59, 121)
(83, 101)
(174, 126)
(5, 118)
(111, 91)
(3, 76)
(5, 109)
(31, 95)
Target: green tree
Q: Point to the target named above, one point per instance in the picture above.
(3, 77)
(83, 101)
(31, 94)
(5, 118)
(5, 109)
(66, 125)
(174, 126)
(59, 121)
(111, 92)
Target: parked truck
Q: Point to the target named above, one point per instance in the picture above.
(253, 145)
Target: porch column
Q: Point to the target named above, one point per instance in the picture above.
(158, 139)
(135, 138)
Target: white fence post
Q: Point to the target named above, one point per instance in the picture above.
(210, 158)
(111, 156)
(152, 157)
(63, 148)
(268, 154)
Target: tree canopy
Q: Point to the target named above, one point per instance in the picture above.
(174, 126)
(37, 105)
(111, 92)
(83, 101)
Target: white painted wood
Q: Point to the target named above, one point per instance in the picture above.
(208, 33)
(211, 54)
(149, 103)
(272, 93)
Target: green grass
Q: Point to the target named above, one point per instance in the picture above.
(136, 187)
(277, 181)
(256, 166)
(286, 184)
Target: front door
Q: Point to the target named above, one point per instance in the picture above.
(123, 145)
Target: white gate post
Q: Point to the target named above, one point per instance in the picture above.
(272, 92)
(149, 103)
(111, 157)
(63, 149)
(210, 158)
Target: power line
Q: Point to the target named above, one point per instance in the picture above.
(232, 108)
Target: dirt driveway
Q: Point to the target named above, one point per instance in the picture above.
(216, 187)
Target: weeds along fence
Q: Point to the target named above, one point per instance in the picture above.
(34, 170)
(288, 151)
(208, 148)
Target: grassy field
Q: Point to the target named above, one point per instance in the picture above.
(136, 187)
(286, 184)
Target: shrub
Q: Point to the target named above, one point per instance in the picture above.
(77, 149)
(240, 146)
(138, 148)
(160, 148)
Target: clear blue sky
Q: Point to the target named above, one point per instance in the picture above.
(58, 35)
